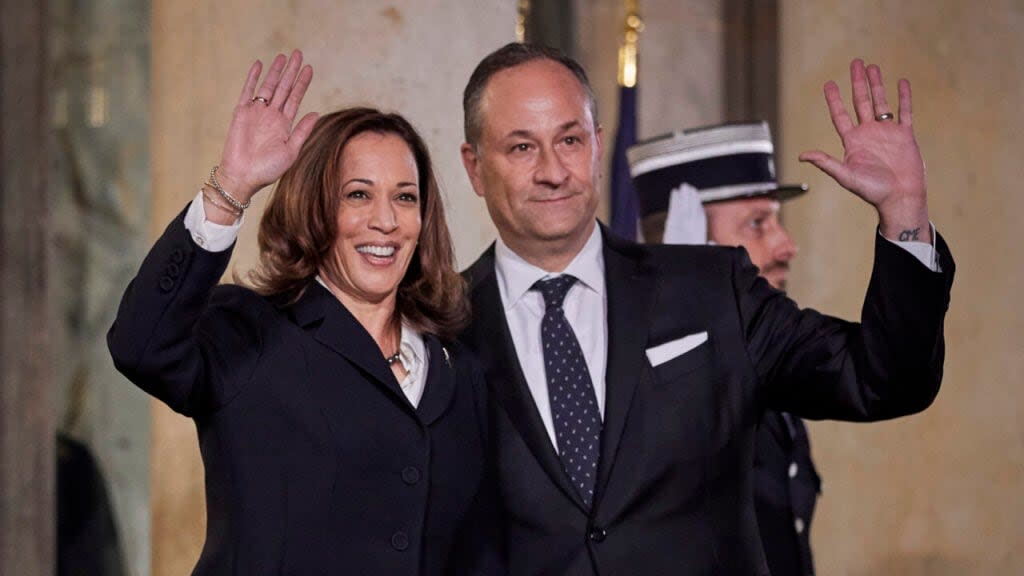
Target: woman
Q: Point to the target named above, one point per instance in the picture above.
(342, 430)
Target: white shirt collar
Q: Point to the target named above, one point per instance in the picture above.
(516, 276)
(413, 352)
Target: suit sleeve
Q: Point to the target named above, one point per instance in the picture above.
(176, 336)
(816, 366)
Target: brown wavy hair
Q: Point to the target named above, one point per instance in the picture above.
(299, 227)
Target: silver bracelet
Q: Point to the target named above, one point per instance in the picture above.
(230, 199)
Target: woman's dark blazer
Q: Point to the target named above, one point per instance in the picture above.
(316, 463)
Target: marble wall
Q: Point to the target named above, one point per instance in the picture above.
(937, 493)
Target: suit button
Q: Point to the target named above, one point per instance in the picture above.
(166, 283)
(172, 270)
(177, 256)
(399, 541)
(793, 469)
(410, 475)
(798, 525)
(597, 534)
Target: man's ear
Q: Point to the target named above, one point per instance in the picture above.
(471, 162)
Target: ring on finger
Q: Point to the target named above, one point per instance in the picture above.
(265, 101)
(885, 116)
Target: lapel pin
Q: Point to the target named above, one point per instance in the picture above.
(447, 358)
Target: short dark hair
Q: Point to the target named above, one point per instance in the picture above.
(299, 226)
(509, 56)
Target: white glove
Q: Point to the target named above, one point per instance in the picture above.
(686, 222)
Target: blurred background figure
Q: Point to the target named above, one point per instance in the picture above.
(87, 541)
(718, 185)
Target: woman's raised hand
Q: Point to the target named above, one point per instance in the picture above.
(262, 141)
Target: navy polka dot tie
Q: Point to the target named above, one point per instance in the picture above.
(573, 402)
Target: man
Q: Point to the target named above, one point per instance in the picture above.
(718, 184)
(627, 379)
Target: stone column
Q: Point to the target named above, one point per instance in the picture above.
(27, 459)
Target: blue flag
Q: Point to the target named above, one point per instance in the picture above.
(624, 211)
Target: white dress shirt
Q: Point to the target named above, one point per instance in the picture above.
(214, 237)
(923, 251)
(210, 236)
(585, 306)
(415, 358)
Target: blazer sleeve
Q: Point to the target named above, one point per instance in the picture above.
(180, 338)
(816, 366)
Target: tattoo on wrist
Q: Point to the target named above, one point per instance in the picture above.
(908, 235)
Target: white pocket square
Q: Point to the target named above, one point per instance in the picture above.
(664, 352)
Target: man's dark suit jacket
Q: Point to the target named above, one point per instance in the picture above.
(316, 463)
(674, 490)
(786, 486)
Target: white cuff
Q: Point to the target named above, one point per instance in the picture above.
(923, 251)
(210, 236)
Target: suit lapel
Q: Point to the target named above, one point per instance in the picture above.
(333, 325)
(440, 386)
(630, 288)
(490, 338)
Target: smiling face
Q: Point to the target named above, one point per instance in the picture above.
(754, 224)
(378, 220)
(536, 163)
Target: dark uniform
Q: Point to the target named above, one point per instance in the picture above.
(786, 486)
